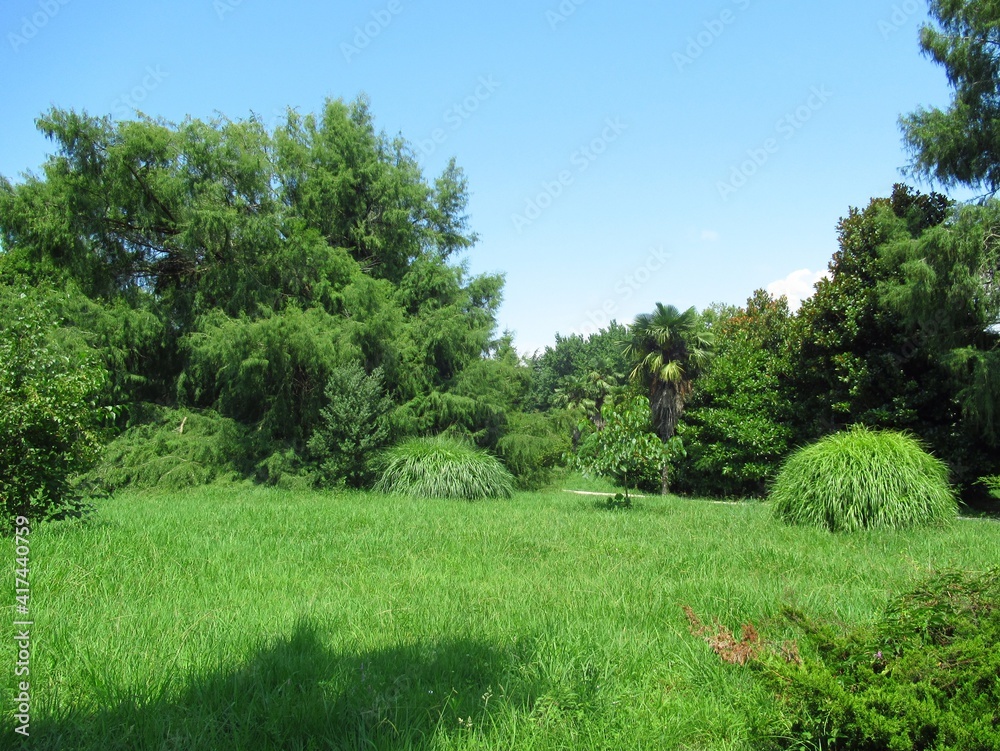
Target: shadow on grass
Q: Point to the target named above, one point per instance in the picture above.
(297, 694)
(979, 503)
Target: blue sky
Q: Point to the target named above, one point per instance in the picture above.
(618, 154)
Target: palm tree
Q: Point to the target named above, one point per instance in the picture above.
(669, 349)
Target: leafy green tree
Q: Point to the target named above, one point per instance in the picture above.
(961, 145)
(626, 450)
(352, 426)
(475, 403)
(740, 422)
(533, 445)
(269, 372)
(853, 361)
(669, 350)
(50, 418)
(580, 372)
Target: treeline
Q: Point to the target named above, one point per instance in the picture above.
(902, 335)
(207, 301)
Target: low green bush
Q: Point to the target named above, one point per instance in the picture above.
(626, 450)
(533, 447)
(443, 467)
(992, 485)
(173, 449)
(863, 478)
(927, 676)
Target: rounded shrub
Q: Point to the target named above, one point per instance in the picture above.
(443, 467)
(861, 479)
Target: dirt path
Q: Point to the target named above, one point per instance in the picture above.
(634, 495)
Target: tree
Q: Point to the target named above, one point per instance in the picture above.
(578, 371)
(669, 350)
(947, 295)
(899, 336)
(961, 145)
(353, 426)
(626, 450)
(50, 420)
(740, 422)
(853, 360)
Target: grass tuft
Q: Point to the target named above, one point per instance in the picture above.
(864, 479)
(443, 467)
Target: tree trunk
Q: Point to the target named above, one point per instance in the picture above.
(667, 403)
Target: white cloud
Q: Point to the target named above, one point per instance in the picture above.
(797, 286)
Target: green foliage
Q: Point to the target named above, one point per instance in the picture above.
(626, 450)
(268, 372)
(863, 478)
(580, 373)
(443, 467)
(617, 502)
(926, 676)
(739, 423)
(50, 418)
(173, 449)
(853, 360)
(876, 344)
(352, 426)
(960, 145)
(534, 445)
(946, 295)
(227, 268)
(668, 350)
(992, 484)
(477, 419)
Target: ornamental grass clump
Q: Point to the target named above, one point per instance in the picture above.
(443, 467)
(864, 479)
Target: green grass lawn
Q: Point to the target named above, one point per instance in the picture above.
(247, 618)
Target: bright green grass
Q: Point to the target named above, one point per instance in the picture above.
(246, 618)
